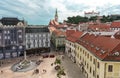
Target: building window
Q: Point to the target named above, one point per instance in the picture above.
(90, 58)
(20, 36)
(98, 65)
(46, 43)
(20, 47)
(13, 47)
(28, 45)
(19, 30)
(94, 61)
(8, 32)
(87, 65)
(8, 37)
(80, 49)
(14, 42)
(90, 69)
(110, 68)
(11, 42)
(97, 76)
(5, 37)
(80, 57)
(83, 51)
(93, 73)
(5, 32)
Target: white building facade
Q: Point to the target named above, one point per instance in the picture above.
(70, 50)
(37, 39)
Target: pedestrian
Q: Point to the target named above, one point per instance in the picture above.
(1, 71)
(52, 64)
(44, 71)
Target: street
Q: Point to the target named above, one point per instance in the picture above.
(73, 71)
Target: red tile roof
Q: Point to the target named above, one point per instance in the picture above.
(100, 27)
(53, 22)
(115, 24)
(52, 29)
(75, 36)
(69, 32)
(59, 33)
(104, 48)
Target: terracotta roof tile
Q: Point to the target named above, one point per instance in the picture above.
(99, 27)
(52, 28)
(69, 32)
(75, 36)
(115, 24)
(102, 47)
(59, 33)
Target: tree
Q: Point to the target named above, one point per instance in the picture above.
(57, 63)
(61, 72)
(94, 18)
(76, 19)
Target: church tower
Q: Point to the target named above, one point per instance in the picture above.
(56, 16)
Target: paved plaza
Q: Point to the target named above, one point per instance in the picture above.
(71, 70)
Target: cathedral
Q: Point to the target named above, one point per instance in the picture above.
(54, 22)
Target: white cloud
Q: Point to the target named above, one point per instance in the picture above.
(45, 9)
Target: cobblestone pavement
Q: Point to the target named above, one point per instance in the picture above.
(72, 70)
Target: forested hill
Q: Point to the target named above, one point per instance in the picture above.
(103, 19)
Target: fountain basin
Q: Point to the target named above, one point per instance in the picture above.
(24, 66)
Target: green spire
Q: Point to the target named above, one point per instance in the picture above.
(56, 14)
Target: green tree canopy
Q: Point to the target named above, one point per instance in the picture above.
(76, 19)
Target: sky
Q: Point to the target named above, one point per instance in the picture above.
(40, 12)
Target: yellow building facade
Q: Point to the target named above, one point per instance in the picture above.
(94, 67)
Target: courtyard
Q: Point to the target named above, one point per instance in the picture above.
(45, 65)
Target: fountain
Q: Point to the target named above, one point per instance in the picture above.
(24, 65)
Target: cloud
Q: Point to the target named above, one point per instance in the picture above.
(41, 11)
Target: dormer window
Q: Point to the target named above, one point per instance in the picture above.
(97, 48)
(92, 45)
(116, 53)
(102, 51)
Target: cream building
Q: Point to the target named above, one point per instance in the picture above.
(70, 44)
(98, 56)
(58, 39)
